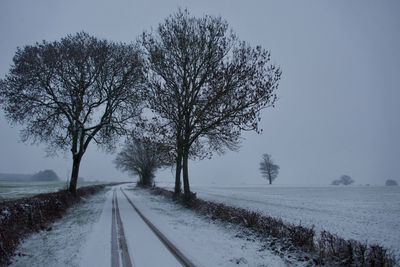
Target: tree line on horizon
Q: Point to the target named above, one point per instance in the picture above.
(40, 176)
(184, 91)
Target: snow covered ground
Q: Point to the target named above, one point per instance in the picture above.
(144, 248)
(205, 242)
(83, 237)
(14, 190)
(61, 246)
(369, 214)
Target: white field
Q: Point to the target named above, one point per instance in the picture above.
(14, 190)
(369, 214)
(364, 213)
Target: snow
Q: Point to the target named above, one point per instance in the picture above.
(95, 251)
(370, 214)
(15, 190)
(61, 246)
(142, 243)
(205, 242)
(4, 214)
(83, 236)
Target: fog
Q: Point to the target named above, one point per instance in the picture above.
(338, 107)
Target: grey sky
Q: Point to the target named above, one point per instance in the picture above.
(338, 109)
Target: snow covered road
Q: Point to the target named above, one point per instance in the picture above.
(119, 247)
(193, 240)
(106, 230)
(133, 242)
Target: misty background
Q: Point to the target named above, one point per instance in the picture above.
(338, 108)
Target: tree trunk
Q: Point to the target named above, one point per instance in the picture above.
(186, 187)
(269, 173)
(178, 188)
(76, 162)
(178, 171)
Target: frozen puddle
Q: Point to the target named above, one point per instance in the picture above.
(62, 245)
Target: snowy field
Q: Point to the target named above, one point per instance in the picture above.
(365, 213)
(14, 190)
(369, 214)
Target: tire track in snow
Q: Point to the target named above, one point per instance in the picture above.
(114, 240)
(117, 233)
(168, 244)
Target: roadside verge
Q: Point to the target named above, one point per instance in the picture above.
(283, 238)
(21, 217)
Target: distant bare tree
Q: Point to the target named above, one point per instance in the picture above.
(205, 86)
(268, 169)
(390, 182)
(68, 93)
(344, 180)
(143, 158)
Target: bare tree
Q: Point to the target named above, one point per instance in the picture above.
(268, 169)
(390, 182)
(68, 93)
(344, 180)
(143, 158)
(205, 86)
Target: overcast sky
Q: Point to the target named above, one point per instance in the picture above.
(338, 108)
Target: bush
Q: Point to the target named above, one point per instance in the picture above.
(300, 236)
(334, 249)
(328, 248)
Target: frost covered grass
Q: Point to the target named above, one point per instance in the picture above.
(325, 248)
(61, 244)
